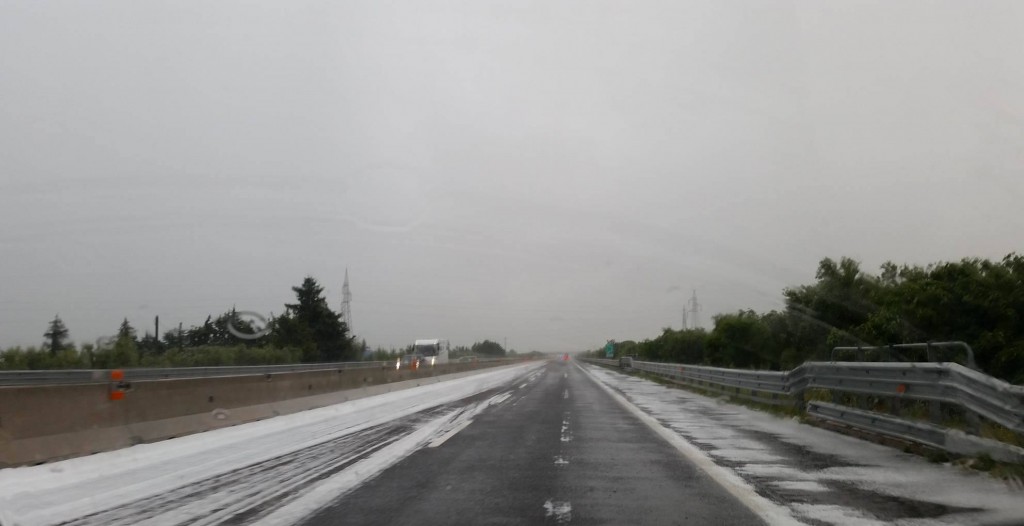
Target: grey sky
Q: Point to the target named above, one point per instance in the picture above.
(555, 172)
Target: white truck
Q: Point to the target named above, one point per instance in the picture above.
(433, 351)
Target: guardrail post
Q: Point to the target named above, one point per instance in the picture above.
(973, 423)
(799, 403)
(935, 411)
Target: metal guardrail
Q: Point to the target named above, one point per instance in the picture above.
(53, 377)
(891, 352)
(99, 376)
(769, 381)
(767, 387)
(243, 370)
(921, 432)
(933, 435)
(974, 392)
(948, 383)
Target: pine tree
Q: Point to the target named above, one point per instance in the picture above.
(56, 334)
(126, 331)
(312, 326)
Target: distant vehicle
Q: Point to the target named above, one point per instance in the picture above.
(565, 357)
(626, 362)
(433, 352)
(409, 361)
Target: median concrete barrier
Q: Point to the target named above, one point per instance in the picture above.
(44, 423)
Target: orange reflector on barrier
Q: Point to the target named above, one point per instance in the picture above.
(117, 385)
(902, 388)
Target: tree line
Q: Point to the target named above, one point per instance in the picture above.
(484, 349)
(977, 301)
(308, 331)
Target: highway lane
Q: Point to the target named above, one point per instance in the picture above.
(537, 443)
(272, 472)
(559, 450)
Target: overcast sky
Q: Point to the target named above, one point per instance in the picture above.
(556, 173)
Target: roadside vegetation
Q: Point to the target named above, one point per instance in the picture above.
(977, 301)
(308, 331)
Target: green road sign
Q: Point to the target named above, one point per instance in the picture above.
(609, 350)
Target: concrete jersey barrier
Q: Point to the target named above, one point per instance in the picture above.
(50, 422)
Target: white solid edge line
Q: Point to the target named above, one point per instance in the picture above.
(770, 512)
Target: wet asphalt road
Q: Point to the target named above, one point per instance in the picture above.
(558, 451)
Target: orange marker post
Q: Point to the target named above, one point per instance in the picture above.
(117, 385)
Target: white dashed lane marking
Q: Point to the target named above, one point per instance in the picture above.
(560, 510)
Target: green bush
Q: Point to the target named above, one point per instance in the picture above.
(974, 300)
